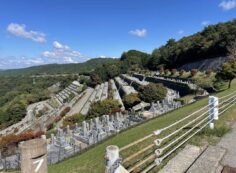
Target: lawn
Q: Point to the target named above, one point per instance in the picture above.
(92, 161)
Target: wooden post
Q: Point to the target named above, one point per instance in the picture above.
(34, 156)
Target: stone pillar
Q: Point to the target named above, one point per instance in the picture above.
(84, 128)
(112, 158)
(34, 156)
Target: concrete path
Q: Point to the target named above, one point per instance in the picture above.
(208, 161)
(79, 105)
(216, 157)
(181, 162)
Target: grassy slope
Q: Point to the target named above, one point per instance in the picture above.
(92, 161)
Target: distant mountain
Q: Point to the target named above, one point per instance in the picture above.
(85, 67)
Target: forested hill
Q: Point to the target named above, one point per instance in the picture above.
(210, 43)
(85, 67)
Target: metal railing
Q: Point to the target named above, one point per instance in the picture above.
(162, 150)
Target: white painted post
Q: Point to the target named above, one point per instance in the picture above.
(213, 110)
(112, 155)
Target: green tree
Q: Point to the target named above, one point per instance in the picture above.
(228, 70)
(103, 108)
(131, 100)
(152, 92)
(71, 120)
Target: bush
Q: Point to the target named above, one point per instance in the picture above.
(71, 120)
(131, 100)
(102, 108)
(152, 92)
(7, 140)
(64, 111)
(194, 72)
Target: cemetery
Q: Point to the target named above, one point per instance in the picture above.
(79, 97)
(72, 140)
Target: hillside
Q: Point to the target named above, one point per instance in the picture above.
(85, 67)
(206, 64)
(212, 42)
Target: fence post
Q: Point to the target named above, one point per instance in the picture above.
(213, 110)
(113, 159)
(34, 156)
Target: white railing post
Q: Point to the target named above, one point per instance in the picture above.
(113, 159)
(213, 110)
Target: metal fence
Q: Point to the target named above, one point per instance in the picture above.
(172, 137)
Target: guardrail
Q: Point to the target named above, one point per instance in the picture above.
(176, 134)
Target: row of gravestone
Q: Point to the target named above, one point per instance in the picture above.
(69, 141)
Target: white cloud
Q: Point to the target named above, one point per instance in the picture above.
(18, 62)
(20, 31)
(180, 32)
(103, 56)
(63, 53)
(138, 32)
(228, 5)
(69, 60)
(205, 23)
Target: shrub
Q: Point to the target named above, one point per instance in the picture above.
(152, 92)
(102, 108)
(64, 111)
(131, 100)
(71, 120)
(194, 72)
(49, 126)
(7, 140)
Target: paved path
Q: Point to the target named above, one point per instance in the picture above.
(228, 142)
(182, 161)
(79, 105)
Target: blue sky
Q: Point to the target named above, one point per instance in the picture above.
(34, 32)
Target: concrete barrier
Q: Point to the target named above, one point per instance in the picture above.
(34, 156)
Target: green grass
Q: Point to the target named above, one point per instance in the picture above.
(92, 161)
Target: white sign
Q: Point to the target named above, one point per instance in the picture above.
(39, 164)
